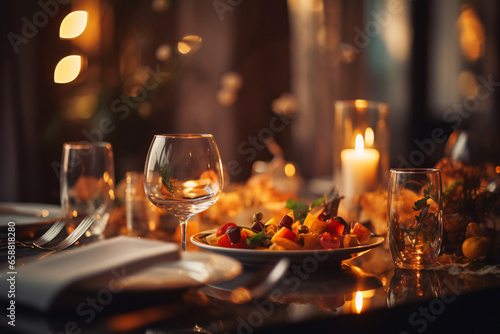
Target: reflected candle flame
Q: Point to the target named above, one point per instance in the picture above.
(358, 301)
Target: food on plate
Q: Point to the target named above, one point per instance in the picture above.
(303, 228)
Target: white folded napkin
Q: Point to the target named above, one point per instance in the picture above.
(39, 283)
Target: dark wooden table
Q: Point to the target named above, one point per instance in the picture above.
(306, 300)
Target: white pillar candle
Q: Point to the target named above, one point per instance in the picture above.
(359, 170)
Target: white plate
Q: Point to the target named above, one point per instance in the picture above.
(192, 270)
(25, 214)
(258, 257)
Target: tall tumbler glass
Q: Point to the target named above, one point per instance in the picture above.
(415, 217)
(87, 184)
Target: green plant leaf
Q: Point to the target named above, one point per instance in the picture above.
(318, 202)
(165, 177)
(291, 204)
(300, 211)
(418, 205)
(255, 239)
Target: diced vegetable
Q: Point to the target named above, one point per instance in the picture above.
(222, 230)
(362, 232)
(286, 243)
(316, 226)
(212, 239)
(284, 233)
(310, 241)
(334, 227)
(223, 241)
(328, 241)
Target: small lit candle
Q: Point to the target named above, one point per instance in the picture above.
(359, 169)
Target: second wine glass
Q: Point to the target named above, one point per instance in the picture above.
(183, 175)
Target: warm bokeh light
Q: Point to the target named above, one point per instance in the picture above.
(145, 109)
(289, 170)
(397, 34)
(73, 24)
(361, 104)
(79, 107)
(163, 52)
(368, 294)
(190, 184)
(467, 84)
(189, 44)
(359, 145)
(358, 301)
(369, 137)
(471, 34)
(67, 69)
(160, 5)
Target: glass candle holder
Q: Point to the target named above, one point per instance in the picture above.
(361, 148)
(415, 217)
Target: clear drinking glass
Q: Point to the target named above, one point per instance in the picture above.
(142, 217)
(87, 184)
(415, 217)
(183, 175)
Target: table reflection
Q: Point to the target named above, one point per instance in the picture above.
(408, 286)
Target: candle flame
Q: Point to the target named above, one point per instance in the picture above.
(369, 137)
(358, 301)
(359, 146)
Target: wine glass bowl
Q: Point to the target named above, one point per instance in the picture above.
(183, 175)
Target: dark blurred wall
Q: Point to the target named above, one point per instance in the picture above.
(157, 66)
(130, 45)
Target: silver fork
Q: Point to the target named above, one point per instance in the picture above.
(70, 239)
(45, 238)
(50, 234)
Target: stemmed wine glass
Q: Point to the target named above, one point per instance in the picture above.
(183, 175)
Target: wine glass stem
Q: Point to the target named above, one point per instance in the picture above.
(183, 227)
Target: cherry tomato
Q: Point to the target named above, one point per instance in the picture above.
(223, 241)
(222, 230)
(335, 227)
(241, 244)
(327, 241)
